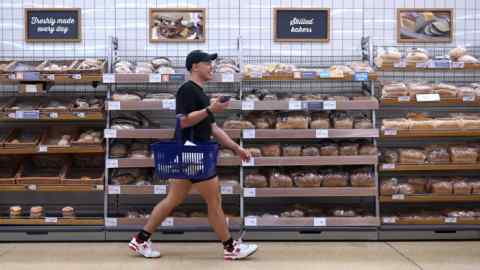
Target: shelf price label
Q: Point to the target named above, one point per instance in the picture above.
(110, 133)
(159, 189)
(248, 133)
(319, 222)
(360, 76)
(388, 166)
(248, 163)
(51, 220)
(169, 104)
(53, 115)
(404, 99)
(321, 133)
(168, 222)
(112, 163)
(77, 76)
(468, 98)
(155, 78)
(294, 105)
(248, 105)
(309, 75)
(398, 197)
(42, 148)
(114, 105)
(324, 74)
(51, 77)
(458, 65)
(251, 221)
(451, 220)
(226, 190)
(390, 132)
(27, 115)
(250, 192)
(330, 105)
(32, 187)
(31, 88)
(79, 114)
(389, 220)
(439, 64)
(228, 77)
(108, 78)
(114, 189)
(111, 222)
(428, 97)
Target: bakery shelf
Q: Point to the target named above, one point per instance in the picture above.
(393, 133)
(74, 78)
(310, 105)
(312, 161)
(39, 115)
(428, 66)
(170, 222)
(149, 162)
(310, 192)
(430, 221)
(43, 149)
(400, 198)
(308, 133)
(226, 189)
(387, 167)
(444, 102)
(301, 76)
(52, 221)
(160, 105)
(166, 78)
(51, 188)
(154, 133)
(310, 221)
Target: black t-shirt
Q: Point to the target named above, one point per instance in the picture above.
(190, 97)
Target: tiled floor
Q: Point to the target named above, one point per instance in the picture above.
(272, 255)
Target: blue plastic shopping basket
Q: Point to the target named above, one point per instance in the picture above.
(173, 159)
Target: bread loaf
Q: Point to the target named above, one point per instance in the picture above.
(437, 154)
(226, 153)
(330, 149)
(362, 123)
(394, 90)
(255, 180)
(412, 156)
(310, 151)
(448, 123)
(292, 150)
(238, 124)
(418, 183)
(406, 189)
(367, 150)
(335, 179)
(457, 52)
(342, 121)
(349, 149)
(389, 187)
(255, 152)
(417, 55)
(278, 180)
(390, 156)
(362, 177)
(463, 154)
(396, 123)
(441, 187)
(271, 150)
(320, 120)
(292, 120)
(475, 187)
(462, 188)
(307, 179)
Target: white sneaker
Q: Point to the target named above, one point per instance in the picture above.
(145, 249)
(240, 251)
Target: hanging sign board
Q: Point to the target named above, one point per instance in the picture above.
(301, 24)
(53, 25)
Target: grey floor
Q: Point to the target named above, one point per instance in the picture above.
(272, 255)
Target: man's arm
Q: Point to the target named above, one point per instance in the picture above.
(195, 117)
(227, 142)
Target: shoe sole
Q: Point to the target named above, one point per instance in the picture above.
(132, 248)
(235, 259)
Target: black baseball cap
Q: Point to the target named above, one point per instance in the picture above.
(198, 56)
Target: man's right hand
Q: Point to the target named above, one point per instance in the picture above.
(217, 106)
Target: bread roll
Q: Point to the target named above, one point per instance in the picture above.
(238, 124)
(457, 52)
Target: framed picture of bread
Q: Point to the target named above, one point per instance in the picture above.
(424, 25)
(177, 25)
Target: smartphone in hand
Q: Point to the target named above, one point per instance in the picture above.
(223, 99)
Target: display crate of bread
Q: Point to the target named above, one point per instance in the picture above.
(57, 66)
(8, 169)
(42, 170)
(23, 138)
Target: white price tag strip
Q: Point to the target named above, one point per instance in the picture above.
(451, 220)
(112, 163)
(388, 166)
(31, 88)
(319, 222)
(114, 105)
(251, 221)
(32, 187)
(108, 78)
(330, 105)
(159, 189)
(399, 197)
(295, 105)
(404, 99)
(110, 133)
(169, 104)
(99, 187)
(226, 190)
(390, 132)
(389, 220)
(249, 163)
(42, 148)
(111, 222)
(468, 98)
(249, 192)
(168, 222)
(228, 77)
(51, 220)
(248, 105)
(248, 133)
(321, 133)
(114, 189)
(428, 97)
(155, 78)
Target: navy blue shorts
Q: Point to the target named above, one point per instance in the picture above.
(202, 179)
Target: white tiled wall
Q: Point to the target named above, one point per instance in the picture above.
(226, 21)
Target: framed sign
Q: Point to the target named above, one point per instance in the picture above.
(53, 25)
(424, 25)
(301, 24)
(177, 25)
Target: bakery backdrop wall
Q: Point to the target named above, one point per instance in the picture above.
(251, 20)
